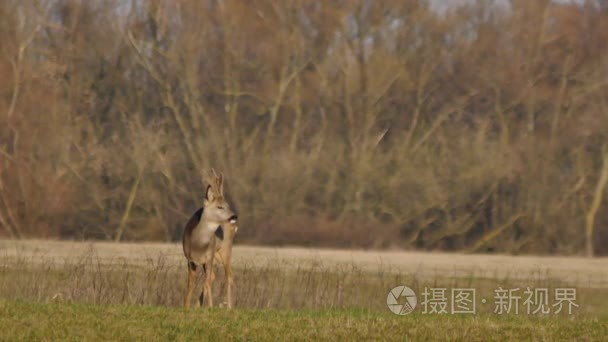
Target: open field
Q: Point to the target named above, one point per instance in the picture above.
(592, 273)
(128, 290)
(78, 322)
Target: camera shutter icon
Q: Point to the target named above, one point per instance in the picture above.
(401, 300)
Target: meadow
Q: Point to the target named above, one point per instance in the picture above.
(51, 290)
(475, 128)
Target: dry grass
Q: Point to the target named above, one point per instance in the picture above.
(588, 272)
(279, 278)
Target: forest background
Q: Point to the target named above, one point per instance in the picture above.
(476, 127)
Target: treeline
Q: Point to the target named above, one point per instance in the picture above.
(481, 127)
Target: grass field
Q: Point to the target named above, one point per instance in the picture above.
(79, 322)
(78, 291)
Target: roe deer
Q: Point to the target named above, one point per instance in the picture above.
(199, 241)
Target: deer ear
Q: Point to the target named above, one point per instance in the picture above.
(209, 196)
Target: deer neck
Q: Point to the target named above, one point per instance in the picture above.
(205, 230)
(208, 226)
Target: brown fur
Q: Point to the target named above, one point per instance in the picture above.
(200, 243)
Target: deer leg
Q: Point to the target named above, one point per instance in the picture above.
(210, 279)
(202, 296)
(229, 284)
(191, 280)
(208, 284)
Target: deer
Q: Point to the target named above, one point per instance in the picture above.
(200, 239)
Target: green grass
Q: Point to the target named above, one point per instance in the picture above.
(33, 321)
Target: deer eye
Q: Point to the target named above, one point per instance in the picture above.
(220, 207)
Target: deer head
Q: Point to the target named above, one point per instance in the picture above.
(217, 209)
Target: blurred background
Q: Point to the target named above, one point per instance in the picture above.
(476, 126)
